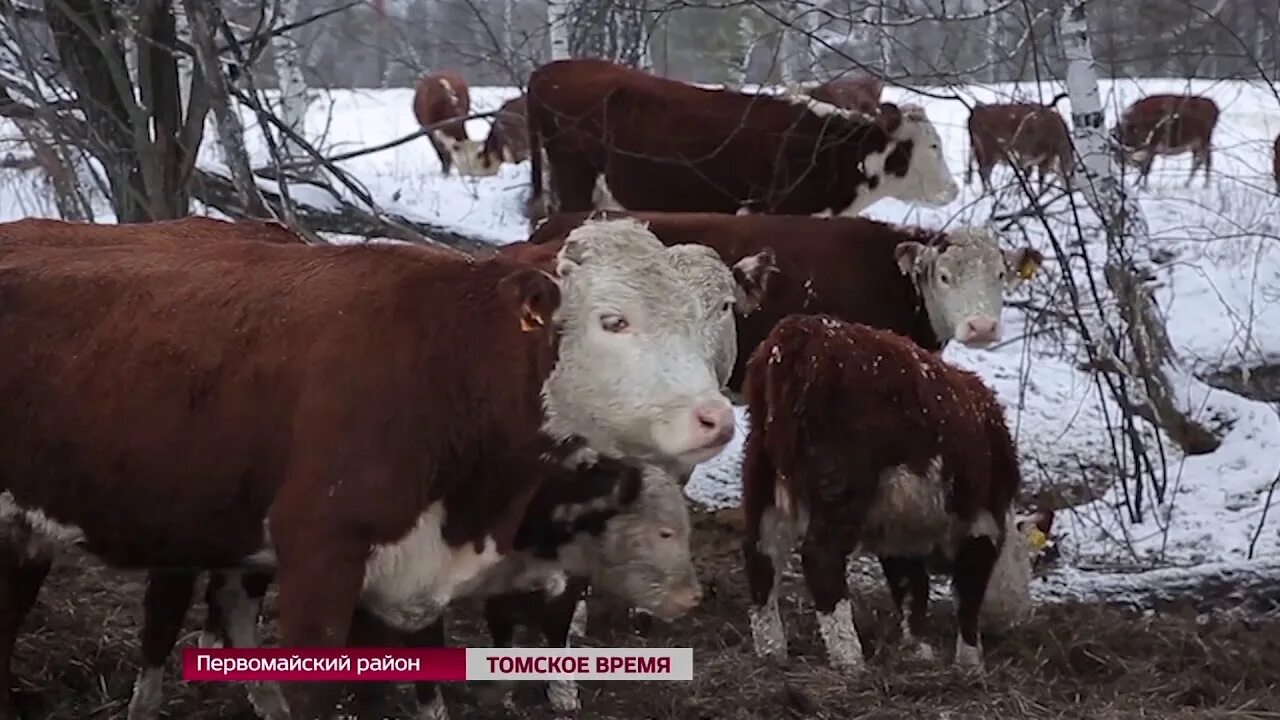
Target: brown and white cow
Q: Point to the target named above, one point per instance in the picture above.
(624, 537)
(1167, 125)
(508, 141)
(194, 230)
(1022, 135)
(250, 441)
(441, 96)
(660, 144)
(860, 439)
(933, 286)
(859, 91)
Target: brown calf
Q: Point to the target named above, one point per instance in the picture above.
(860, 439)
(952, 288)
(660, 144)
(441, 96)
(859, 92)
(1167, 125)
(252, 444)
(508, 141)
(1022, 135)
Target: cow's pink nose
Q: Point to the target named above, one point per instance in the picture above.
(978, 331)
(713, 423)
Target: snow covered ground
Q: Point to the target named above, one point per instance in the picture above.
(1219, 292)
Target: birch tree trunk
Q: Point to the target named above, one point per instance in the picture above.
(797, 50)
(558, 28)
(294, 100)
(748, 39)
(1152, 363)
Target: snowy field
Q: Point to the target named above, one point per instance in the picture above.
(1219, 292)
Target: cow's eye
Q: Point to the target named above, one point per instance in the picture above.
(727, 306)
(666, 534)
(1001, 276)
(614, 323)
(944, 277)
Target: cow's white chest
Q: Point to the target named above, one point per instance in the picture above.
(408, 583)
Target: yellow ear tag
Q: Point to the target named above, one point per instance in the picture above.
(1036, 539)
(1028, 270)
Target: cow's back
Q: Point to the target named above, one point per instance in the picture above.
(841, 266)
(209, 379)
(194, 230)
(1171, 121)
(439, 96)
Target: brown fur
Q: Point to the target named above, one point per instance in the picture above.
(508, 141)
(1024, 135)
(835, 406)
(859, 92)
(317, 385)
(195, 229)
(666, 145)
(1169, 125)
(434, 102)
(841, 266)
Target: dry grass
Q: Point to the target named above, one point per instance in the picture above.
(78, 657)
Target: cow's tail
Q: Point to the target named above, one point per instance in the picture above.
(536, 207)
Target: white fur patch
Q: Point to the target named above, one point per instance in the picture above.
(602, 198)
(240, 623)
(408, 583)
(984, 526)
(147, 694)
(844, 648)
(578, 624)
(450, 91)
(563, 696)
(968, 656)
(43, 527)
(767, 632)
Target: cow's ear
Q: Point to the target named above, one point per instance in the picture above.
(1024, 262)
(909, 254)
(533, 295)
(751, 279)
(890, 117)
(630, 485)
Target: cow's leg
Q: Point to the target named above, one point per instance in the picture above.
(442, 152)
(984, 175)
(319, 586)
(24, 563)
(430, 699)
(238, 599)
(1196, 161)
(164, 607)
(1144, 170)
(501, 615)
(766, 548)
(824, 564)
(975, 558)
(1208, 163)
(557, 616)
(908, 581)
(574, 183)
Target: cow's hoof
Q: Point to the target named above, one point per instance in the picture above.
(923, 652)
(563, 696)
(208, 640)
(968, 657)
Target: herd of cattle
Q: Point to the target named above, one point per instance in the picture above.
(382, 430)
(620, 138)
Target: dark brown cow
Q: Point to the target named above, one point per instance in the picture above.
(859, 92)
(1022, 135)
(1167, 125)
(442, 96)
(659, 144)
(931, 286)
(861, 439)
(1275, 162)
(250, 443)
(508, 141)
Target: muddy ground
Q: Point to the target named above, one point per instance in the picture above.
(77, 658)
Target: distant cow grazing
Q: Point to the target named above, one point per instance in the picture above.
(659, 144)
(861, 440)
(859, 92)
(1167, 125)
(443, 96)
(930, 285)
(508, 141)
(251, 443)
(1022, 135)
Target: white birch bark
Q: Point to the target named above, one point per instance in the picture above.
(558, 28)
(1152, 362)
(294, 98)
(186, 64)
(748, 39)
